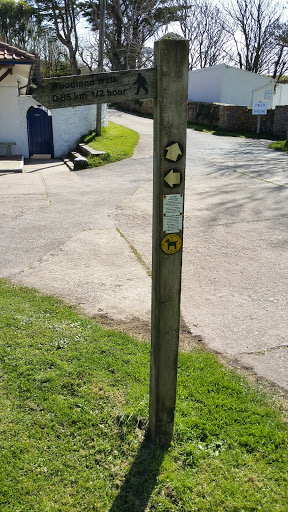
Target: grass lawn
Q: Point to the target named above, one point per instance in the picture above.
(279, 145)
(73, 413)
(117, 141)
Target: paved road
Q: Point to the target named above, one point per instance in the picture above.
(58, 233)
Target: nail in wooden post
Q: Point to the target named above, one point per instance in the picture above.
(170, 122)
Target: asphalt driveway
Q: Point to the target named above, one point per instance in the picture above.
(61, 232)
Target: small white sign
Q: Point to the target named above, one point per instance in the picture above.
(172, 224)
(268, 94)
(259, 108)
(172, 213)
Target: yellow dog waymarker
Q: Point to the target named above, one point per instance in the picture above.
(171, 244)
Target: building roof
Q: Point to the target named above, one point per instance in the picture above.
(10, 54)
(226, 66)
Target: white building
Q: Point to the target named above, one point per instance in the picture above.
(229, 85)
(30, 127)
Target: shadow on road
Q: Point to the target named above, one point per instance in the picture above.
(248, 184)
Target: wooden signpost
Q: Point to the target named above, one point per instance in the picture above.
(170, 122)
(168, 84)
(72, 91)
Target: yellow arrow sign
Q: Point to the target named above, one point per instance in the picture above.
(173, 177)
(174, 151)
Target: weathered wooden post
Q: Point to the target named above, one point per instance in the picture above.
(170, 122)
(168, 84)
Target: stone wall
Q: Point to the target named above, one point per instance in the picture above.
(143, 106)
(233, 117)
(280, 128)
(204, 113)
(227, 117)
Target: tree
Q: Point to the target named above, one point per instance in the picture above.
(279, 56)
(54, 59)
(62, 16)
(202, 25)
(129, 25)
(88, 51)
(20, 24)
(252, 25)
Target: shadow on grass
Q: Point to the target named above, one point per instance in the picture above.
(141, 479)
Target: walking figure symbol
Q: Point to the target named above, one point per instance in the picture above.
(141, 83)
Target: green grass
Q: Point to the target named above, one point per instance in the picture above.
(73, 411)
(280, 145)
(117, 141)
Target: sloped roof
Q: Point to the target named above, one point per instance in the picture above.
(11, 54)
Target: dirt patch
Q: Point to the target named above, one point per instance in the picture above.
(188, 341)
(141, 330)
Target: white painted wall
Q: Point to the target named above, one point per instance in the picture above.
(226, 84)
(205, 84)
(281, 95)
(245, 88)
(24, 103)
(9, 122)
(69, 124)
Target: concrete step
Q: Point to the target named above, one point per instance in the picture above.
(86, 150)
(75, 154)
(79, 161)
(13, 163)
(69, 164)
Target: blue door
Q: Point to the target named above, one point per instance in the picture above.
(40, 137)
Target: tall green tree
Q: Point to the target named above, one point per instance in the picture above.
(20, 24)
(53, 57)
(62, 16)
(129, 26)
